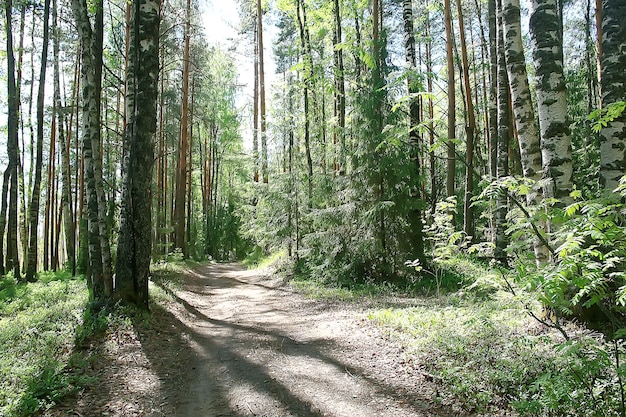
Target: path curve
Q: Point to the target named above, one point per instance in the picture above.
(260, 349)
(241, 343)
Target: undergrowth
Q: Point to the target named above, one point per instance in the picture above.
(477, 339)
(259, 259)
(167, 277)
(39, 323)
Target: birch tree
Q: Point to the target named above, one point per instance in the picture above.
(556, 150)
(135, 233)
(503, 138)
(523, 109)
(101, 280)
(613, 136)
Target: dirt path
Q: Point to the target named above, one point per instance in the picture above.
(239, 343)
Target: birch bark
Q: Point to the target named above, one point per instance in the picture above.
(613, 136)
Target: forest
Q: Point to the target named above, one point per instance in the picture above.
(467, 154)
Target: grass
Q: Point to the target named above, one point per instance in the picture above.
(486, 352)
(168, 277)
(39, 323)
(258, 259)
(47, 329)
(462, 326)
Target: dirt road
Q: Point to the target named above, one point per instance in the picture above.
(241, 343)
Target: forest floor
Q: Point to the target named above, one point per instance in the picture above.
(237, 342)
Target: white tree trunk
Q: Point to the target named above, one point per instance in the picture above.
(525, 121)
(613, 136)
(556, 149)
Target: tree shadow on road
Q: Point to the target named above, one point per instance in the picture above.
(221, 349)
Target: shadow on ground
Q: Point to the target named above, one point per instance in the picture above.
(235, 343)
(254, 355)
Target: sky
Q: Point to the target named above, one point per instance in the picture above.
(220, 20)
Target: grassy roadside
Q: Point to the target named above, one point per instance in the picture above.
(49, 338)
(479, 342)
(39, 325)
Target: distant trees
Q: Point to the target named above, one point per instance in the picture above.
(356, 164)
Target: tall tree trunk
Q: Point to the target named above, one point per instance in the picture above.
(161, 197)
(48, 227)
(599, 46)
(613, 135)
(525, 121)
(503, 140)
(376, 119)
(308, 75)
(103, 228)
(264, 173)
(91, 74)
(181, 190)
(431, 114)
(485, 81)
(470, 132)
(23, 186)
(340, 94)
(33, 208)
(493, 88)
(556, 150)
(255, 117)
(189, 217)
(135, 234)
(3, 216)
(12, 261)
(69, 209)
(415, 236)
(592, 77)
(451, 165)
(20, 171)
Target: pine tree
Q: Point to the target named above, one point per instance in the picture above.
(416, 237)
(33, 208)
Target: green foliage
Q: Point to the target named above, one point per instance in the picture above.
(38, 324)
(584, 137)
(581, 379)
(476, 339)
(446, 241)
(601, 118)
(587, 279)
(258, 259)
(490, 356)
